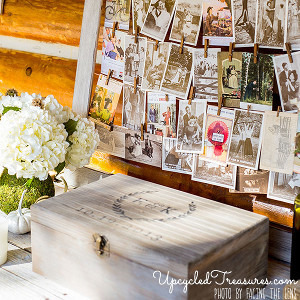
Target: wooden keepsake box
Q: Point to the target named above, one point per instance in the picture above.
(125, 238)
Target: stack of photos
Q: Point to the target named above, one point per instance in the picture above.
(288, 80)
(230, 73)
(217, 134)
(187, 21)
(113, 53)
(148, 151)
(244, 21)
(105, 100)
(191, 120)
(158, 19)
(244, 149)
(213, 173)
(117, 11)
(292, 34)
(139, 12)
(257, 82)
(161, 114)
(283, 187)
(297, 149)
(134, 59)
(270, 23)
(278, 142)
(155, 66)
(217, 22)
(175, 161)
(178, 74)
(133, 107)
(112, 142)
(206, 74)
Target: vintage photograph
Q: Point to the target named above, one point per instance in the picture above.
(244, 21)
(105, 100)
(257, 82)
(297, 149)
(288, 81)
(213, 173)
(113, 53)
(245, 145)
(133, 107)
(147, 151)
(206, 74)
(278, 139)
(230, 77)
(161, 114)
(112, 142)
(217, 134)
(175, 161)
(292, 28)
(158, 19)
(117, 11)
(283, 187)
(134, 59)
(217, 22)
(187, 21)
(270, 23)
(155, 66)
(139, 12)
(191, 121)
(178, 74)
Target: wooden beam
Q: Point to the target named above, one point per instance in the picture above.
(87, 56)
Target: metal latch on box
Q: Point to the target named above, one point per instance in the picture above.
(101, 243)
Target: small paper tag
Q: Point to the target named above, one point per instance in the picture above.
(217, 137)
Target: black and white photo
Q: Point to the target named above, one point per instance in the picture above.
(292, 28)
(139, 12)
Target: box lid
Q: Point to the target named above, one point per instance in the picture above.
(153, 225)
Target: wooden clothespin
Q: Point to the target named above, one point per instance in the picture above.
(289, 51)
(1, 6)
(115, 26)
(206, 45)
(256, 46)
(231, 48)
(278, 111)
(181, 45)
(142, 132)
(220, 104)
(135, 84)
(108, 76)
(248, 110)
(167, 97)
(137, 33)
(191, 95)
(111, 128)
(156, 45)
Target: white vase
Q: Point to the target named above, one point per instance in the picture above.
(3, 238)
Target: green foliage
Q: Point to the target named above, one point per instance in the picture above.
(60, 167)
(71, 126)
(8, 108)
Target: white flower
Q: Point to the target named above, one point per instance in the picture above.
(32, 143)
(15, 101)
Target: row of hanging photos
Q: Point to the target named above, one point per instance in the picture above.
(192, 90)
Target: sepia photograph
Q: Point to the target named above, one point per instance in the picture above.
(217, 22)
(158, 19)
(217, 134)
(292, 28)
(244, 21)
(112, 142)
(205, 71)
(117, 11)
(139, 12)
(288, 81)
(283, 187)
(230, 77)
(133, 107)
(113, 49)
(297, 149)
(148, 151)
(213, 173)
(134, 59)
(257, 82)
(187, 21)
(161, 114)
(175, 161)
(245, 145)
(105, 100)
(191, 121)
(155, 66)
(270, 23)
(178, 74)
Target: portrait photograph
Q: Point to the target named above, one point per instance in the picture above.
(113, 51)
(292, 28)
(139, 12)
(187, 21)
(213, 173)
(178, 74)
(205, 71)
(155, 66)
(191, 120)
(133, 107)
(245, 145)
(173, 161)
(161, 114)
(117, 11)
